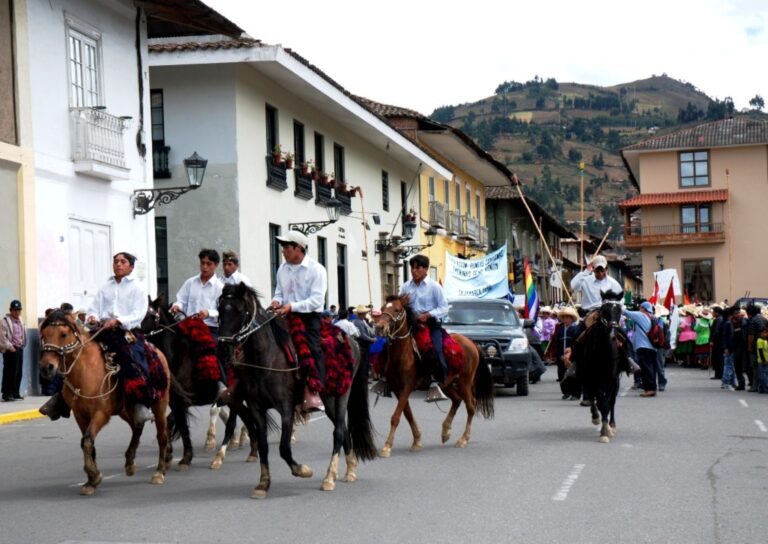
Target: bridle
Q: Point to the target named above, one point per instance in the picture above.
(610, 325)
(401, 322)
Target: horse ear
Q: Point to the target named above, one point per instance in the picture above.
(405, 299)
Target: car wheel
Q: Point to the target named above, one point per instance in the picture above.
(522, 386)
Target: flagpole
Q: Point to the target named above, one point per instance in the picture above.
(730, 238)
(597, 251)
(581, 194)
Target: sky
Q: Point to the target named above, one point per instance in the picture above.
(422, 54)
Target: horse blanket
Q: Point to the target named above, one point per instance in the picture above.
(203, 348)
(454, 355)
(140, 368)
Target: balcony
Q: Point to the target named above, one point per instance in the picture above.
(453, 223)
(437, 215)
(277, 177)
(470, 228)
(97, 143)
(303, 188)
(665, 235)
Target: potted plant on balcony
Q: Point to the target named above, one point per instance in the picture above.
(288, 158)
(410, 216)
(323, 176)
(277, 154)
(341, 187)
(307, 167)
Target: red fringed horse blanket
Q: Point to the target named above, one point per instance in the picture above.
(339, 364)
(203, 348)
(454, 355)
(143, 380)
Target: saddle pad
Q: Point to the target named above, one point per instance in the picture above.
(454, 355)
(203, 348)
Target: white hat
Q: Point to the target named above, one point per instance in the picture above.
(295, 237)
(599, 261)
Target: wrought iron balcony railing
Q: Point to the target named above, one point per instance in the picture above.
(97, 143)
(437, 215)
(160, 166)
(702, 233)
(470, 228)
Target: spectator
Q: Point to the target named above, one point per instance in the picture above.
(726, 342)
(646, 353)
(346, 325)
(702, 327)
(686, 335)
(755, 326)
(740, 353)
(762, 361)
(715, 339)
(661, 373)
(14, 338)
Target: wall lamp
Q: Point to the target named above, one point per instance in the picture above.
(332, 208)
(660, 261)
(393, 244)
(145, 200)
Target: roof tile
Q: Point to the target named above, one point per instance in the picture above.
(741, 130)
(680, 197)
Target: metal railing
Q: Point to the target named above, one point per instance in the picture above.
(437, 215)
(454, 222)
(160, 166)
(98, 136)
(638, 236)
(690, 228)
(470, 228)
(483, 236)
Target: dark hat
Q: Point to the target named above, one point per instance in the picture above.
(230, 255)
(15, 305)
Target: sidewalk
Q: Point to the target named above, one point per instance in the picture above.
(19, 410)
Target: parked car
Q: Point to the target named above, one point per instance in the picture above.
(743, 302)
(494, 326)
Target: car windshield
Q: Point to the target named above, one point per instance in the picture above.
(473, 313)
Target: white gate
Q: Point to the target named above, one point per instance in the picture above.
(90, 258)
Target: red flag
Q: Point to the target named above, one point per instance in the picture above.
(655, 296)
(669, 300)
(686, 298)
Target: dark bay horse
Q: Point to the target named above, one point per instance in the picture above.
(600, 358)
(163, 330)
(473, 384)
(93, 392)
(267, 379)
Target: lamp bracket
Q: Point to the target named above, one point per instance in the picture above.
(310, 227)
(145, 200)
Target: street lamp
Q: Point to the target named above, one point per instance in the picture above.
(660, 261)
(145, 200)
(407, 251)
(332, 208)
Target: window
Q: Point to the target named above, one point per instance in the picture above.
(477, 206)
(695, 218)
(698, 280)
(431, 189)
(298, 143)
(338, 162)
(341, 274)
(322, 258)
(458, 196)
(275, 255)
(694, 169)
(273, 139)
(319, 152)
(385, 190)
(161, 256)
(447, 193)
(84, 50)
(160, 151)
(469, 199)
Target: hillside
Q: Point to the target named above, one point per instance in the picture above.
(542, 130)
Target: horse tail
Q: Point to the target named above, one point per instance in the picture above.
(483, 387)
(180, 402)
(360, 425)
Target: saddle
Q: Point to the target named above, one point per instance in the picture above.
(138, 382)
(454, 355)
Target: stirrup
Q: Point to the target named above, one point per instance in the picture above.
(435, 394)
(55, 407)
(312, 402)
(141, 414)
(381, 389)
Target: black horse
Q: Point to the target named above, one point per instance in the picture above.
(160, 327)
(267, 378)
(602, 355)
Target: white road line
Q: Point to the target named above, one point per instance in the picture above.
(80, 484)
(743, 403)
(761, 425)
(565, 487)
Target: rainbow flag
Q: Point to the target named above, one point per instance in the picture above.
(531, 296)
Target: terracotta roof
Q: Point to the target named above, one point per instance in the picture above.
(238, 43)
(387, 110)
(741, 130)
(184, 18)
(680, 197)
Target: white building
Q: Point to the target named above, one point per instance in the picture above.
(233, 101)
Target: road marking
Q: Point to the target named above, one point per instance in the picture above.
(761, 425)
(80, 484)
(743, 403)
(565, 487)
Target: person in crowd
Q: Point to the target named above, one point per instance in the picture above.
(14, 338)
(199, 296)
(715, 340)
(762, 361)
(561, 342)
(646, 353)
(366, 335)
(739, 324)
(702, 328)
(230, 265)
(300, 289)
(545, 326)
(334, 311)
(686, 338)
(755, 326)
(346, 325)
(427, 300)
(726, 343)
(661, 373)
(326, 317)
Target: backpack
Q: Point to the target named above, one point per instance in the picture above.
(656, 334)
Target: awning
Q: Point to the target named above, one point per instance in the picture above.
(680, 197)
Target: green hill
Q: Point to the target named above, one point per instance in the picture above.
(543, 129)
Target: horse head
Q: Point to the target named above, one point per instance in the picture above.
(59, 336)
(395, 316)
(611, 310)
(238, 308)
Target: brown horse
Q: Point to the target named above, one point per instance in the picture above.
(473, 384)
(91, 389)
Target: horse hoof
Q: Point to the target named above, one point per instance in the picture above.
(416, 447)
(182, 467)
(595, 421)
(461, 444)
(87, 490)
(612, 432)
(445, 437)
(302, 471)
(157, 479)
(387, 452)
(130, 470)
(259, 493)
(210, 445)
(350, 478)
(251, 458)
(216, 463)
(604, 440)
(328, 485)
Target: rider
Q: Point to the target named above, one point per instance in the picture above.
(120, 304)
(300, 289)
(591, 283)
(199, 296)
(428, 302)
(230, 265)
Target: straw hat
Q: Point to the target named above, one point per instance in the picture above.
(361, 309)
(689, 309)
(545, 310)
(661, 311)
(568, 311)
(706, 313)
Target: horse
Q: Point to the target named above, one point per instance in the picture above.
(267, 378)
(473, 384)
(599, 361)
(161, 327)
(92, 390)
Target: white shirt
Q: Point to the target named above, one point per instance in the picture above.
(302, 285)
(125, 301)
(426, 296)
(236, 278)
(348, 327)
(195, 296)
(590, 288)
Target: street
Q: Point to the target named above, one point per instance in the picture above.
(689, 466)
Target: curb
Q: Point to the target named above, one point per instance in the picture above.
(20, 416)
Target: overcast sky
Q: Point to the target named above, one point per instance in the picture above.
(422, 54)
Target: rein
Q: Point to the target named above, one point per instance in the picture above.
(402, 324)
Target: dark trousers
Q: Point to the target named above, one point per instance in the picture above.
(313, 326)
(647, 364)
(740, 364)
(436, 333)
(717, 360)
(12, 365)
(220, 354)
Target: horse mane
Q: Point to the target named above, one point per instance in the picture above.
(279, 327)
(612, 295)
(60, 317)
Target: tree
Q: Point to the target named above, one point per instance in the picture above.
(444, 114)
(757, 103)
(574, 155)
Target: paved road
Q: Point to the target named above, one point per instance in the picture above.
(690, 466)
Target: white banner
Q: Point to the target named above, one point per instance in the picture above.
(663, 278)
(485, 277)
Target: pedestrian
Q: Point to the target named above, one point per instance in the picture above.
(740, 354)
(726, 342)
(762, 362)
(561, 343)
(14, 338)
(703, 347)
(646, 353)
(230, 265)
(300, 289)
(346, 325)
(199, 296)
(662, 314)
(755, 326)
(686, 338)
(715, 339)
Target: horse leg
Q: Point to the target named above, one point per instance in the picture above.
(333, 409)
(415, 431)
(471, 406)
(130, 453)
(87, 444)
(260, 424)
(161, 426)
(394, 421)
(210, 435)
(229, 438)
(243, 436)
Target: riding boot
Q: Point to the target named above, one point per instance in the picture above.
(55, 407)
(381, 388)
(312, 402)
